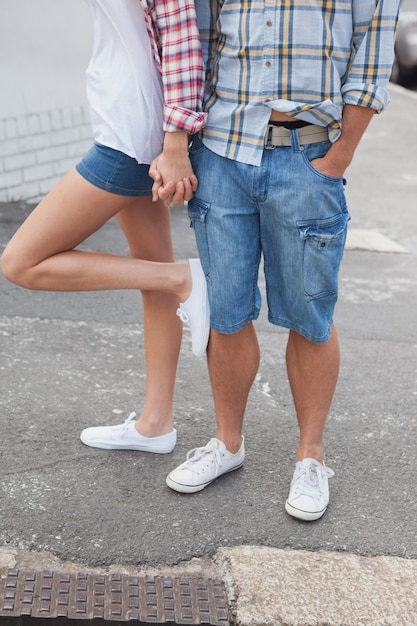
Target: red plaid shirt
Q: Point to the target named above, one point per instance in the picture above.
(173, 31)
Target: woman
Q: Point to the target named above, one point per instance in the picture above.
(129, 97)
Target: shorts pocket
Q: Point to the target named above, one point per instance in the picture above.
(196, 146)
(197, 210)
(323, 242)
(318, 151)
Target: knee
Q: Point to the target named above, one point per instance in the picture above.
(12, 267)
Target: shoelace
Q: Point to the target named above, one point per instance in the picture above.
(183, 315)
(126, 423)
(310, 480)
(197, 454)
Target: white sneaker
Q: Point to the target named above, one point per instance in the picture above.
(203, 465)
(195, 311)
(126, 437)
(309, 491)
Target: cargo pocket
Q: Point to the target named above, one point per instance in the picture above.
(323, 242)
(197, 212)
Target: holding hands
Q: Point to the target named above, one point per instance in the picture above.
(171, 171)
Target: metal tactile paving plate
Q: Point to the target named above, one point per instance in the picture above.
(114, 597)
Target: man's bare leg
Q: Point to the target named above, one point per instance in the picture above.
(233, 362)
(313, 372)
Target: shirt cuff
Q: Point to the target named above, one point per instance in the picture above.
(179, 118)
(372, 96)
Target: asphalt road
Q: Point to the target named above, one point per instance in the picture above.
(68, 361)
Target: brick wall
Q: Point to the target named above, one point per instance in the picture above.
(37, 149)
(45, 47)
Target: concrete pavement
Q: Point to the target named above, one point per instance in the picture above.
(74, 360)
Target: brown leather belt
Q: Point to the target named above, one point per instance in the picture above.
(276, 136)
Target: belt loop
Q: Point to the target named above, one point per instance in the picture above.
(268, 138)
(295, 140)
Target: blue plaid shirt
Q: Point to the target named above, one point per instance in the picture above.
(305, 58)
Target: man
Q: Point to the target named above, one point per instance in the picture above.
(291, 87)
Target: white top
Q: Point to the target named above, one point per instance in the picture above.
(124, 87)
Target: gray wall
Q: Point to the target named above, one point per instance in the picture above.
(45, 46)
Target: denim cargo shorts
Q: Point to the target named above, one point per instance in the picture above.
(284, 212)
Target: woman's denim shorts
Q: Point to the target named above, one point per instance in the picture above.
(115, 172)
(284, 210)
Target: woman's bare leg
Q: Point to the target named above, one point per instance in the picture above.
(41, 255)
(147, 228)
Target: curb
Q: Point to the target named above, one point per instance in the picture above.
(255, 586)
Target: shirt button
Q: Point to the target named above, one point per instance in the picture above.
(269, 23)
(268, 64)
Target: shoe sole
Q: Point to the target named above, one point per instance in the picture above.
(305, 516)
(133, 448)
(203, 346)
(200, 350)
(181, 488)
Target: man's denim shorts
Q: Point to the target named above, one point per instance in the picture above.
(115, 172)
(286, 211)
